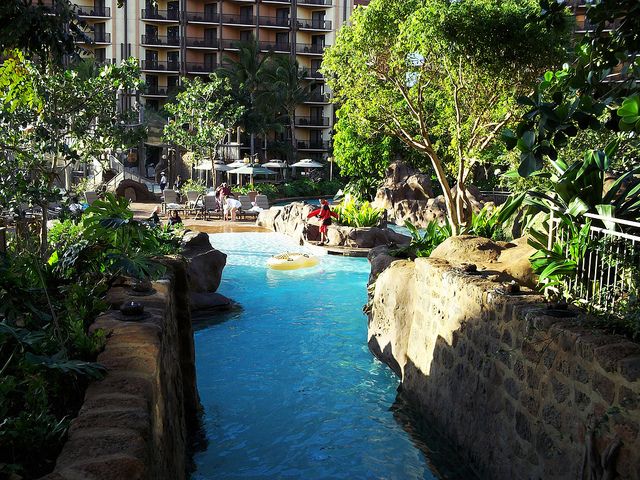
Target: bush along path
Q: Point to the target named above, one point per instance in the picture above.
(47, 303)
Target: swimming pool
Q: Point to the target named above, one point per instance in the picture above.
(288, 385)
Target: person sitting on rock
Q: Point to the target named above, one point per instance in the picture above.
(154, 219)
(174, 218)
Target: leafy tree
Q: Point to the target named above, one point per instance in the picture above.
(52, 119)
(46, 30)
(247, 75)
(582, 95)
(201, 115)
(287, 89)
(441, 76)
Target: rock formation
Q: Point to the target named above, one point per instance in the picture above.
(292, 220)
(407, 195)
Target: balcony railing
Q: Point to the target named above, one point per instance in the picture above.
(163, 40)
(195, 67)
(159, 90)
(164, 15)
(312, 121)
(206, 17)
(98, 37)
(313, 145)
(313, 24)
(311, 73)
(326, 3)
(275, 21)
(310, 48)
(318, 98)
(239, 19)
(160, 66)
(275, 46)
(232, 44)
(202, 42)
(102, 12)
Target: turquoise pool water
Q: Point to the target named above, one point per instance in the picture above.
(289, 388)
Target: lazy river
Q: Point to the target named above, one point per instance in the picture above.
(288, 385)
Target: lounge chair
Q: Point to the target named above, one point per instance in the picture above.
(192, 198)
(245, 209)
(168, 196)
(211, 207)
(90, 197)
(263, 202)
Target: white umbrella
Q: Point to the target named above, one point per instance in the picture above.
(206, 165)
(236, 164)
(221, 167)
(275, 164)
(307, 163)
(252, 170)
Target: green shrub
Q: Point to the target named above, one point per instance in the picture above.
(422, 244)
(192, 185)
(354, 213)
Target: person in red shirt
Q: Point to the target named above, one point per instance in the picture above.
(324, 213)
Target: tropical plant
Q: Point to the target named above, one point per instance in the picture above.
(355, 213)
(580, 96)
(441, 76)
(490, 221)
(192, 185)
(422, 244)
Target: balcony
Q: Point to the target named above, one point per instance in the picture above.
(318, 98)
(311, 24)
(195, 68)
(161, 41)
(203, 17)
(311, 73)
(244, 20)
(156, 66)
(315, 3)
(94, 37)
(277, 2)
(313, 145)
(94, 12)
(200, 42)
(154, 15)
(310, 49)
(159, 91)
(275, 47)
(276, 22)
(234, 44)
(313, 121)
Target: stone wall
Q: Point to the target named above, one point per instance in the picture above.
(292, 220)
(525, 392)
(134, 423)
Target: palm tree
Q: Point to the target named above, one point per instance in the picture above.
(247, 75)
(288, 89)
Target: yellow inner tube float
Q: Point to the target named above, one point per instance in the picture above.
(291, 261)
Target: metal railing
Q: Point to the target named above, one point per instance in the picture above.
(231, 44)
(193, 67)
(312, 121)
(159, 90)
(103, 12)
(202, 42)
(327, 3)
(274, 21)
(164, 15)
(172, 41)
(310, 48)
(205, 17)
(238, 19)
(275, 46)
(160, 66)
(311, 73)
(98, 37)
(318, 98)
(313, 145)
(312, 24)
(496, 196)
(606, 274)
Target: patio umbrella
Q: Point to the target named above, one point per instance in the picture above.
(219, 167)
(252, 170)
(275, 163)
(307, 163)
(236, 164)
(206, 166)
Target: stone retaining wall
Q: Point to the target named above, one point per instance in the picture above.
(525, 395)
(134, 422)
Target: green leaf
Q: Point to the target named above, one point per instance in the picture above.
(528, 164)
(607, 211)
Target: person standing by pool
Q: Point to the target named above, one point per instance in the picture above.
(163, 181)
(179, 183)
(231, 207)
(325, 214)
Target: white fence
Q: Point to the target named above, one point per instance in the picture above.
(609, 273)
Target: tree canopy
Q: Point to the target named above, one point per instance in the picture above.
(441, 76)
(201, 115)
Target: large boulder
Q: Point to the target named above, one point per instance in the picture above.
(134, 191)
(204, 263)
(509, 260)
